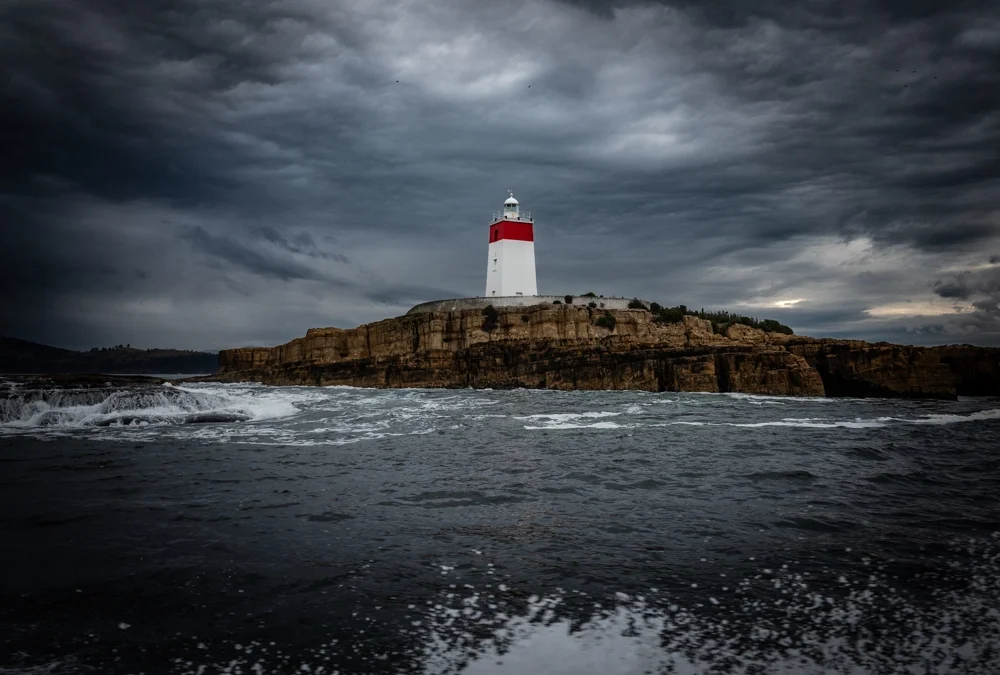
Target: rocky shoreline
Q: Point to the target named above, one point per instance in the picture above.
(572, 347)
(79, 380)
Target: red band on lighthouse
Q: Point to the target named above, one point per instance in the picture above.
(508, 229)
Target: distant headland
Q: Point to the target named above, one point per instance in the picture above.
(23, 357)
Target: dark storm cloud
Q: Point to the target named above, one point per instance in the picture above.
(954, 288)
(981, 288)
(214, 173)
(239, 255)
(972, 284)
(964, 285)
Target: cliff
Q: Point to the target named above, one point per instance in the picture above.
(567, 347)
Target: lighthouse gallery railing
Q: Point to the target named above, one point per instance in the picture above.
(499, 215)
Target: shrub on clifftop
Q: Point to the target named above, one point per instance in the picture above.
(721, 320)
(490, 315)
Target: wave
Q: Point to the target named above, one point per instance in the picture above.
(576, 421)
(570, 420)
(794, 474)
(761, 398)
(565, 417)
(857, 423)
(570, 425)
(167, 404)
(991, 414)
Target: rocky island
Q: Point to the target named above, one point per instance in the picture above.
(584, 346)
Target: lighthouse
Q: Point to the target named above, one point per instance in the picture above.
(511, 265)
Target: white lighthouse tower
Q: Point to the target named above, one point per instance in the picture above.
(511, 265)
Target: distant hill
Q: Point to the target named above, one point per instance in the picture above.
(21, 356)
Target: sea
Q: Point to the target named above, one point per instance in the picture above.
(237, 528)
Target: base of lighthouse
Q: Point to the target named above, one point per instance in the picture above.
(511, 268)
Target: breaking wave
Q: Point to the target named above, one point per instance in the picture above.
(334, 416)
(140, 406)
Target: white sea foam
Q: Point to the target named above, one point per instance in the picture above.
(570, 425)
(569, 420)
(867, 626)
(654, 632)
(169, 404)
(857, 423)
(623, 642)
(991, 414)
(763, 398)
(304, 416)
(562, 417)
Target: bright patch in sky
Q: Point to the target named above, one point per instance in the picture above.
(917, 308)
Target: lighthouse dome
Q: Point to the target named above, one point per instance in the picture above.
(510, 201)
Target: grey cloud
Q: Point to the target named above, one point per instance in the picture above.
(990, 306)
(957, 287)
(982, 286)
(965, 284)
(301, 242)
(239, 255)
(687, 152)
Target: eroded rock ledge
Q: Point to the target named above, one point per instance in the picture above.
(563, 347)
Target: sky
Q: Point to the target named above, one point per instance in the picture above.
(207, 174)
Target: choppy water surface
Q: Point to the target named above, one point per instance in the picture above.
(245, 529)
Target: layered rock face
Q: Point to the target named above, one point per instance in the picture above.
(564, 347)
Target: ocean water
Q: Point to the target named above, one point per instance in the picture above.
(247, 529)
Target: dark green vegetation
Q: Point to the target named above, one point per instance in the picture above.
(21, 356)
(490, 315)
(607, 320)
(721, 320)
